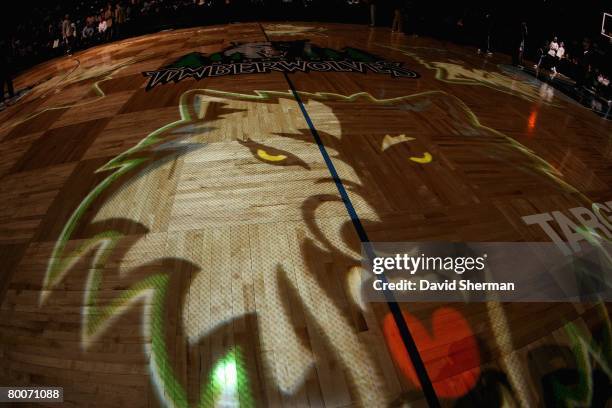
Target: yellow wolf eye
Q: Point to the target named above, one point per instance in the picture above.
(273, 156)
(422, 160)
(262, 154)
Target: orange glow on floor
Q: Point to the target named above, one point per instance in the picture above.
(531, 122)
(450, 351)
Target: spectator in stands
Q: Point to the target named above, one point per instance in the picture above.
(486, 27)
(108, 16)
(586, 58)
(65, 27)
(75, 35)
(398, 18)
(119, 19)
(542, 50)
(146, 7)
(556, 60)
(553, 46)
(68, 33)
(102, 28)
(547, 59)
(91, 21)
(372, 6)
(7, 60)
(52, 36)
(603, 88)
(88, 31)
(517, 56)
(6, 64)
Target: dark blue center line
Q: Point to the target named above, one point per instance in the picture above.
(404, 331)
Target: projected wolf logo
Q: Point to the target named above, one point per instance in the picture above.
(279, 56)
(237, 189)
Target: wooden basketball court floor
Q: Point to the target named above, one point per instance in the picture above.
(188, 245)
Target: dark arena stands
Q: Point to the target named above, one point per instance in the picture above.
(306, 203)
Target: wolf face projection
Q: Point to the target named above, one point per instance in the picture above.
(237, 190)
